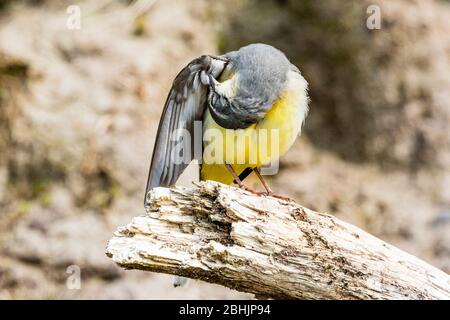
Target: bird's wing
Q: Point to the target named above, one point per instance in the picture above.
(185, 104)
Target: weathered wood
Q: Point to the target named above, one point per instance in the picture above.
(268, 247)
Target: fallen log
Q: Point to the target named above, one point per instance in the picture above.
(269, 247)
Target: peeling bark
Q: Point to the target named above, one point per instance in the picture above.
(269, 247)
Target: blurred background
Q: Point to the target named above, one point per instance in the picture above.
(79, 109)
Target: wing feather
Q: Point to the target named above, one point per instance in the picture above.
(185, 104)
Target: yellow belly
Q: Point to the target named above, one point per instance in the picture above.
(259, 144)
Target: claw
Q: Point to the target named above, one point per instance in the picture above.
(277, 196)
(253, 191)
(264, 193)
(247, 188)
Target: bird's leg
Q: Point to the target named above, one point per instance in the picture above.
(239, 182)
(263, 181)
(269, 191)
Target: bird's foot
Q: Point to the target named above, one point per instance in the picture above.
(271, 194)
(251, 190)
(263, 193)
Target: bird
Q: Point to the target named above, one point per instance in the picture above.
(224, 111)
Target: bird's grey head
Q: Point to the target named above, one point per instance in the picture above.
(262, 71)
(252, 81)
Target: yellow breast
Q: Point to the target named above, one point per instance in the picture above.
(259, 144)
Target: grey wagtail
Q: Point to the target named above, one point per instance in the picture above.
(240, 98)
